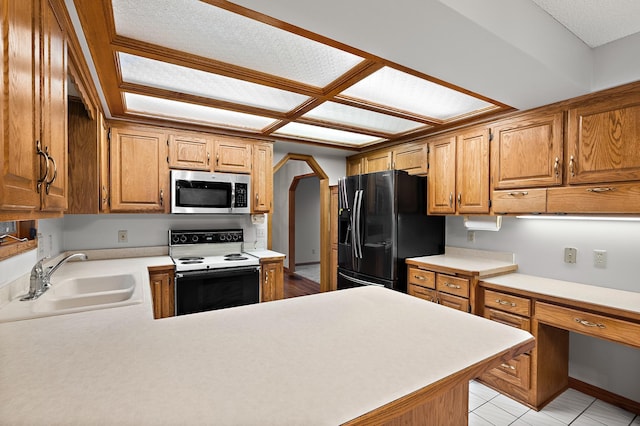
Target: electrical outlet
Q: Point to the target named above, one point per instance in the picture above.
(313, 251)
(600, 258)
(122, 236)
(570, 255)
(471, 236)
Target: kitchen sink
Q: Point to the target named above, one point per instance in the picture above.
(77, 295)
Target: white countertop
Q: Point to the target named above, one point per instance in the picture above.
(321, 359)
(602, 296)
(482, 263)
(265, 254)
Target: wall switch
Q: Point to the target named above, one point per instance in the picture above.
(471, 236)
(260, 232)
(600, 258)
(570, 255)
(122, 236)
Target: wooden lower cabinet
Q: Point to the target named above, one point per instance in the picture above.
(333, 234)
(161, 279)
(271, 279)
(436, 287)
(539, 376)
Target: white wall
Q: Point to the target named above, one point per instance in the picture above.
(308, 221)
(539, 248)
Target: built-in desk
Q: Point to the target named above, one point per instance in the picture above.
(549, 309)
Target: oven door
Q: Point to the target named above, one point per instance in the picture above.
(199, 291)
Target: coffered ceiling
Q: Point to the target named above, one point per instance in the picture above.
(216, 64)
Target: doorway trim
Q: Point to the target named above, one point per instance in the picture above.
(325, 243)
(292, 214)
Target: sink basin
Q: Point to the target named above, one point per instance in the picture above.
(87, 285)
(77, 295)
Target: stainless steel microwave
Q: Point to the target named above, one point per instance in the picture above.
(204, 192)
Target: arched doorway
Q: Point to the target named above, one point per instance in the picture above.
(325, 245)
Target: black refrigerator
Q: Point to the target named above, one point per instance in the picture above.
(382, 220)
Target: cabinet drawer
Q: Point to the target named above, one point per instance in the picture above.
(508, 303)
(595, 325)
(508, 319)
(455, 302)
(520, 201)
(452, 285)
(516, 371)
(422, 292)
(605, 198)
(422, 278)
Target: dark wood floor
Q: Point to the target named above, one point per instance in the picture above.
(296, 285)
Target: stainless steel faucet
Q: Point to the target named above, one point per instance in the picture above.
(40, 280)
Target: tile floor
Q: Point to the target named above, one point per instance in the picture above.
(489, 408)
(311, 272)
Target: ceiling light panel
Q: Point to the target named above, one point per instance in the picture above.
(183, 111)
(230, 38)
(306, 131)
(163, 75)
(399, 90)
(345, 114)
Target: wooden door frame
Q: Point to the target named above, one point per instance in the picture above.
(292, 214)
(325, 243)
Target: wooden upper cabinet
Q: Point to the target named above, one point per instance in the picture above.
(603, 140)
(262, 178)
(190, 152)
(54, 108)
(354, 166)
(19, 130)
(411, 158)
(527, 152)
(472, 171)
(139, 172)
(377, 162)
(442, 175)
(232, 155)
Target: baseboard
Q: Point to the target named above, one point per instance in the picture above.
(605, 395)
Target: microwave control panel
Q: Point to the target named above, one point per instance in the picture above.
(241, 195)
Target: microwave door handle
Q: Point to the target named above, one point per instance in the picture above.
(233, 196)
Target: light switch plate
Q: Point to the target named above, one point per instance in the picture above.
(570, 255)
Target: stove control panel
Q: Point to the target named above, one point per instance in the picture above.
(177, 237)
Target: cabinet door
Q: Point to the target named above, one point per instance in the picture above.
(139, 173)
(603, 141)
(54, 108)
(84, 164)
(472, 174)
(189, 152)
(377, 162)
(272, 280)
(412, 158)
(232, 156)
(527, 152)
(18, 161)
(105, 171)
(262, 178)
(354, 167)
(442, 175)
(162, 292)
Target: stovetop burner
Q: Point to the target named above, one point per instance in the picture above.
(233, 255)
(235, 258)
(190, 258)
(191, 262)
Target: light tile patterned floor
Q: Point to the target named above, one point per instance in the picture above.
(489, 408)
(310, 272)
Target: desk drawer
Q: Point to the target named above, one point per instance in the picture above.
(421, 277)
(422, 292)
(600, 326)
(455, 302)
(516, 371)
(507, 302)
(508, 319)
(452, 285)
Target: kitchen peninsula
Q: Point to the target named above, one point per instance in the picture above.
(347, 356)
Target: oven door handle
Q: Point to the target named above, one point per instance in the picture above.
(222, 271)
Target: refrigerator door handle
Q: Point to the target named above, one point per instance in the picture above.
(358, 217)
(357, 281)
(354, 226)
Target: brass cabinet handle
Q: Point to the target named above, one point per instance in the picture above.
(556, 167)
(452, 285)
(418, 277)
(450, 199)
(507, 366)
(217, 159)
(572, 166)
(518, 193)
(505, 302)
(105, 195)
(208, 158)
(257, 198)
(589, 323)
(459, 199)
(44, 154)
(604, 189)
(55, 175)
(162, 198)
